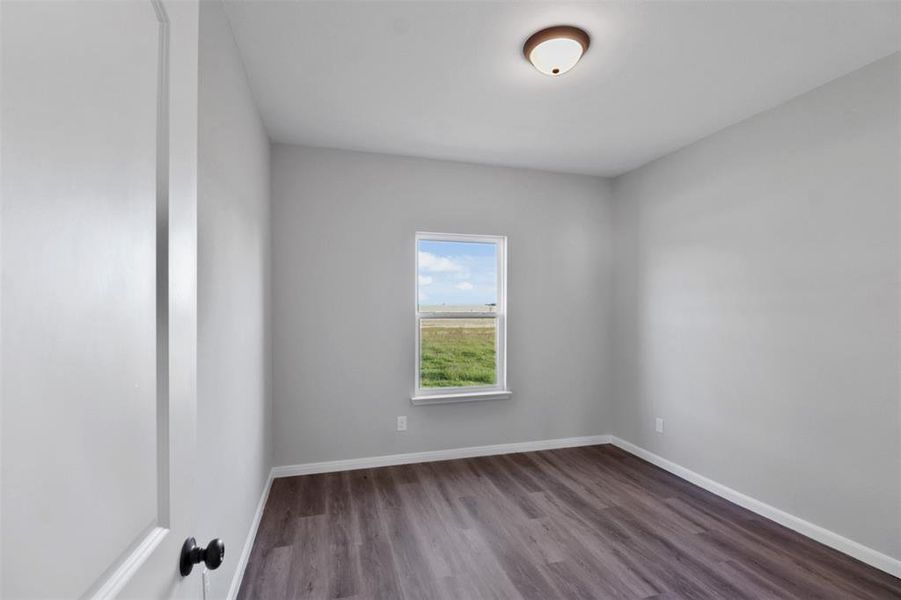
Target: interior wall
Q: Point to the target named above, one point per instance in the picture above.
(234, 334)
(757, 298)
(343, 299)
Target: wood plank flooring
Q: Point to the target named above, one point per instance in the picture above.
(592, 522)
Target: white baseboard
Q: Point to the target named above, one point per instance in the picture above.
(248, 543)
(872, 557)
(433, 455)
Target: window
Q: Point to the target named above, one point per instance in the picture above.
(460, 318)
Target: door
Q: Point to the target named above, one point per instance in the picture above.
(98, 310)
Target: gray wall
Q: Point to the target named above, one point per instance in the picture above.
(234, 337)
(757, 306)
(343, 286)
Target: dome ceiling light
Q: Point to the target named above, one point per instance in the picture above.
(556, 50)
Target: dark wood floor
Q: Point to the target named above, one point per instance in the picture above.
(590, 522)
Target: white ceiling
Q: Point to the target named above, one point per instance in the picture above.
(448, 80)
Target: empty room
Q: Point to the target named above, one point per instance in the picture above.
(451, 300)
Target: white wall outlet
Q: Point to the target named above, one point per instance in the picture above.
(659, 425)
(401, 423)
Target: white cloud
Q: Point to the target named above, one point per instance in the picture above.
(464, 285)
(423, 296)
(424, 280)
(437, 264)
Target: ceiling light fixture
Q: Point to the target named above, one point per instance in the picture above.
(556, 50)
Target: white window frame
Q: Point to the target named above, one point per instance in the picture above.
(468, 393)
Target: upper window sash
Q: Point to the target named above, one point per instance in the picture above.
(500, 243)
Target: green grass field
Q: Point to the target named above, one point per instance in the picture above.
(457, 356)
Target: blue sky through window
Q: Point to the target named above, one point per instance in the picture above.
(459, 274)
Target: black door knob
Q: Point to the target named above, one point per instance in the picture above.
(191, 554)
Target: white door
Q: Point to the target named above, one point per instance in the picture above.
(98, 297)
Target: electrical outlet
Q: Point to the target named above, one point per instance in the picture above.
(402, 423)
(659, 425)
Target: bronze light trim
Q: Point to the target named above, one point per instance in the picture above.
(556, 32)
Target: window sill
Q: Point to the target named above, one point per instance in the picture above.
(461, 397)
